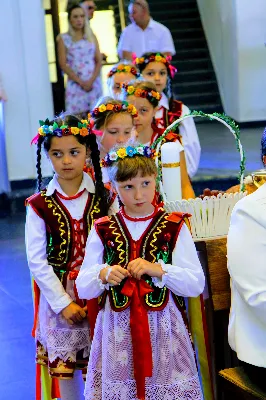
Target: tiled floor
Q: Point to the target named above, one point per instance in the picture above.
(16, 344)
(219, 158)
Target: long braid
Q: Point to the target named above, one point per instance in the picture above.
(100, 190)
(169, 91)
(38, 164)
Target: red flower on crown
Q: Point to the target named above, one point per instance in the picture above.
(117, 107)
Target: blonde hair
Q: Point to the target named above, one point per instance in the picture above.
(125, 63)
(87, 31)
(143, 85)
(103, 118)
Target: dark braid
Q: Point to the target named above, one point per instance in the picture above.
(100, 191)
(38, 164)
(169, 91)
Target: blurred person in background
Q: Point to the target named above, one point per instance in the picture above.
(80, 59)
(89, 7)
(144, 34)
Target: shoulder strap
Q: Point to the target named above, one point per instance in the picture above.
(102, 221)
(177, 217)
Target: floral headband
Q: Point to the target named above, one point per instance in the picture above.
(123, 68)
(53, 129)
(128, 151)
(115, 108)
(158, 58)
(150, 95)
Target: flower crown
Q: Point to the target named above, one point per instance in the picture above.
(158, 58)
(128, 151)
(53, 129)
(150, 95)
(123, 68)
(115, 108)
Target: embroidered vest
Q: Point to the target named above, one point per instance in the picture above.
(59, 227)
(157, 242)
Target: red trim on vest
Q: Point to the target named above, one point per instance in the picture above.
(35, 210)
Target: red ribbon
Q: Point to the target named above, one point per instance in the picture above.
(140, 333)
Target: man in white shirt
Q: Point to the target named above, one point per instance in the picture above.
(144, 34)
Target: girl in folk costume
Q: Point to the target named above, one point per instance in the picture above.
(112, 120)
(157, 68)
(140, 262)
(144, 96)
(58, 221)
(122, 72)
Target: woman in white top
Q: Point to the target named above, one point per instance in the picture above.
(247, 268)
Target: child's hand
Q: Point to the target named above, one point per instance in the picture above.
(139, 267)
(115, 277)
(73, 313)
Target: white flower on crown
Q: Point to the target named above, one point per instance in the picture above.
(140, 150)
(113, 156)
(51, 128)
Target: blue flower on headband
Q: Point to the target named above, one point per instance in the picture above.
(147, 151)
(46, 129)
(131, 151)
(58, 132)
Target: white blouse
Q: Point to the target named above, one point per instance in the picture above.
(185, 277)
(190, 138)
(35, 234)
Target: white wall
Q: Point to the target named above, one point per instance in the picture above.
(24, 70)
(236, 32)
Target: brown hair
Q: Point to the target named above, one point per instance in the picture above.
(130, 167)
(143, 85)
(102, 118)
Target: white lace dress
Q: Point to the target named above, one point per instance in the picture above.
(110, 373)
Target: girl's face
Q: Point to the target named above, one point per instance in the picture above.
(137, 194)
(156, 72)
(146, 113)
(117, 80)
(67, 157)
(117, 130)
(77, 18)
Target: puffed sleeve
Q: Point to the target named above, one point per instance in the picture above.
(191, 143)
(88, 283)
(43, 273)
(246, 252)
(184, 276)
